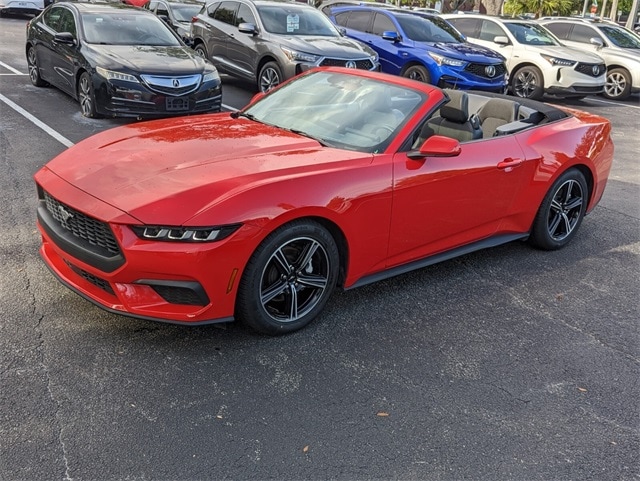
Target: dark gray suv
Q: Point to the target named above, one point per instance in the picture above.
(270, 41)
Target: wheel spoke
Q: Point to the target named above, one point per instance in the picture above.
(567, 223)
(556, 206)
(311, 280)
(307, 254)
(281, 262)
(293, 303)
(574, 203)
(274, 290)
(567, 195)
(553, 225)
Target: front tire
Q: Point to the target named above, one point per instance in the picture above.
(269, 77)
(34, 70)
(528, 83)
(618, 84)
(288, 279)
(86, 96)
(561, 212)
(417, 72)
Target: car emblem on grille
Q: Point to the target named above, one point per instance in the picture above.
(596, 70)
(176, 83)
(64, 213)
(351, 64)
(490, 70)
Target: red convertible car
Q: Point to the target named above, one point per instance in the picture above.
(335, 179)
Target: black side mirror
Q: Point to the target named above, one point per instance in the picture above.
(65, 38)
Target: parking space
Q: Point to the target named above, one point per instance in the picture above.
(509, 364)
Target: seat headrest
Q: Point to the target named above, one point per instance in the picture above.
(504, 109)
(457, 109)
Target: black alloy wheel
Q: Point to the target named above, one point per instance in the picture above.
(288, 279)
(34, 70)
(86, 96)
(417, 72)
(528, 83)
(561, 212)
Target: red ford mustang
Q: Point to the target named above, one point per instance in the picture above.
(336, 179)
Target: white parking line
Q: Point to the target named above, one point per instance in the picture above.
(60, 138)
(609, 102)
(8, 67)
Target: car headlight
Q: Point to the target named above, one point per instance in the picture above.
(442, 60)
(210, 76)
(299, 56)
(111, 75)
(562, 62)
(184, 234)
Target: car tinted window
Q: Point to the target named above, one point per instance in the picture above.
(428, 29)
(582, 33)
(620, 37)
(530, 34)
(490, 30)
(468, 26)
(341, 18)
(226, 12)
(162, 10)
(185, 12)
(292, 20)
(245, 15)
(360, 21)
(67, 23)
(382, 23)
(52, 17)
(560, 30)
(211, 9)
(127, 28)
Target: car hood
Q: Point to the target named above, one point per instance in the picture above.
(340, 47)
(149, 168)
(464, 51)
(569, 53)
(148, 59)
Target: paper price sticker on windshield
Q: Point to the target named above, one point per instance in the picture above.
(293, 23)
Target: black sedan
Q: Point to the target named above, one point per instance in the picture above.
(120, 61)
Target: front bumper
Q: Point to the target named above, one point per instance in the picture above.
(185, 283)
(567, 82)
(292, 68)
(116, 98)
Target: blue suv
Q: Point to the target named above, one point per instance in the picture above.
(423, 47)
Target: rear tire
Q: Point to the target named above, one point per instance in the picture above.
(201, 50)
(528, 83)
(34, 70)
(561, 212)
(288, 279)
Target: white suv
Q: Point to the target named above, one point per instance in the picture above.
(33, 7)
(538, 64)
(619, 48)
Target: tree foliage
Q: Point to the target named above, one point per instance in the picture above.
(540, 7)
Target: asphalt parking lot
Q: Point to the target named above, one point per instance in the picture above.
(507, 364)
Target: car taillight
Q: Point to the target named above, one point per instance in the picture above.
(194, 19)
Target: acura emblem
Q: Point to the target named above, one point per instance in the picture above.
(351, 64)
(490, 70)
(596, 70)
(64, 213)
(176, 83)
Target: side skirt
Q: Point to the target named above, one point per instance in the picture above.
(434, 259)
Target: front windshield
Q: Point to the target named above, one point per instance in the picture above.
(620, 37)
(115, 28)
(339, 110)
(428, 29)
(184, 12)
(289, 19)
(531, 34)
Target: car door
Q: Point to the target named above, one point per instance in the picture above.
(441, 203)
(576, 35)
(61, 57)
(220, 28)
(391, 60)
(241, 47)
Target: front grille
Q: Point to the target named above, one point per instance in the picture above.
(588, 69)
(180, 295)
(95, 280)
(480, 69)
(82, 226)
(362, 64)
(174, 86)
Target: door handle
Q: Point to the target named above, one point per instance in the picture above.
(509, 163)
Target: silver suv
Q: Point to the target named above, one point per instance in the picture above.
(271, 41)
(619, 48)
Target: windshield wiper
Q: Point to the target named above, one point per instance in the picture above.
(240, 113)
(304, 134)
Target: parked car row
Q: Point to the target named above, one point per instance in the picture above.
(118, 60)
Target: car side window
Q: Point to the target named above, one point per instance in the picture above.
(582, 33)
(490, 30)
(52, 18)
(382, 23)
(226, 12)
(245, 15)
(359, 21)
(151, 5)
(162, 10)
(211, 9)
(467, 26)
(560, 30)
(341, 18)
